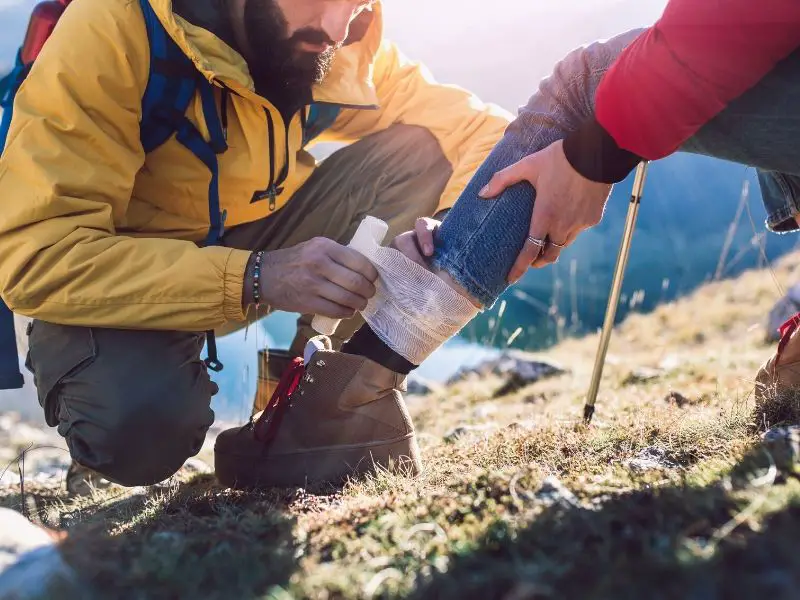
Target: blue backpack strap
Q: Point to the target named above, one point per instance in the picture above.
(174, 81)
(207, 152)
(8, 90)
(172, 85)
(10, 375)
(170, 88)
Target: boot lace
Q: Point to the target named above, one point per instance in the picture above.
(266, 427)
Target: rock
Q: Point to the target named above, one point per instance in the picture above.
(191, 468)
(483, 411)
(642, 375)
(513, 383)
(303, 501)
(30, 561)
(463, 430)
(782, 311)
(456, 433)
(678, 399)
(510, 363)
(195, 466)
(17, 536)
(44, 474)
(553, 492)
(13, 428)
(650, 459)
(550, 493)
(535, 399)
(518, 369)
(419, 386)
(522, 425)
(670, 362)
(39, 452)
(783, 444)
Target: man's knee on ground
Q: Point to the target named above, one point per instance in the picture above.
(148, 438)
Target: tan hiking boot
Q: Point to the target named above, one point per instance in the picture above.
(780, 375)
(271, 366)
(339, 415)
(83, 481)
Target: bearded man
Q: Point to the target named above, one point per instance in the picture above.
(128, 253)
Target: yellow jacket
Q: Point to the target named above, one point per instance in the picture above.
(95, 233)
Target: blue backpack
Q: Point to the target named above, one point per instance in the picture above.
(172, 84)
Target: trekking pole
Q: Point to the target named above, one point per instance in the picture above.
(616, 290)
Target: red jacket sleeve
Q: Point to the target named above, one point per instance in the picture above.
(683, 71)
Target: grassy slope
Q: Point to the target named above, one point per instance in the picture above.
(473, 525)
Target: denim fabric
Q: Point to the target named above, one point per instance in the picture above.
(479, 240)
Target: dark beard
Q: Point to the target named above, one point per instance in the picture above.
(279, 69)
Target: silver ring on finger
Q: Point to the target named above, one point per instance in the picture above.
(536, 242)
(559, 246)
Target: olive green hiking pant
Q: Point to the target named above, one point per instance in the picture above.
(133, 405)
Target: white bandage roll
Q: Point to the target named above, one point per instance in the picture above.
(370, 233)
(414, 311)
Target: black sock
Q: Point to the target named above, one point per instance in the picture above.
(365, 343)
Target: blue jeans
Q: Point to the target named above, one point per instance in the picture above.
(479, 240)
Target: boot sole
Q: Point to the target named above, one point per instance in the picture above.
(321, 465)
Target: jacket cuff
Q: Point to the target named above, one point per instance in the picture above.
(594, 154)
(235, 268)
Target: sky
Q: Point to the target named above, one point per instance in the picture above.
(500, 54)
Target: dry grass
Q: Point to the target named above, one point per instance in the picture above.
(475, 524)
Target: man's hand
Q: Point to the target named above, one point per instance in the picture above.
(317, 277)
(566, 204)
(418, 244)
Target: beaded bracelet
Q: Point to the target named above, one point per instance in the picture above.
(257, 278)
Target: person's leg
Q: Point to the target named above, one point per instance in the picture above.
(131, 405)
(780, 193)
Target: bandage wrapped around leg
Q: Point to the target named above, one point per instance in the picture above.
(413, 311)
